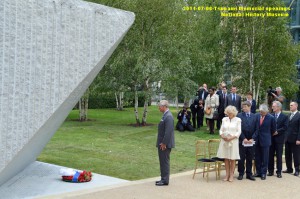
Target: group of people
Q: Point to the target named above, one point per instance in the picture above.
(247, 136)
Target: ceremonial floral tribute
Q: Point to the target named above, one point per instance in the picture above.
(71, 175)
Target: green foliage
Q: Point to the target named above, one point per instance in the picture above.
(109, 145)
(108, 100)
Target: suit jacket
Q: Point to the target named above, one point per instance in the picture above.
(253, 106)
(293, 130)
(222, 103)
(180, 116)
(264, 132)
(248, 126)
(200, 93)
(237, 103)
(165, 133)
(281, 126)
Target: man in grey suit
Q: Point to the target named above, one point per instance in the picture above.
(234, 99)
(165, 142)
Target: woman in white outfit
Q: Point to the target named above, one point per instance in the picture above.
(229, 145)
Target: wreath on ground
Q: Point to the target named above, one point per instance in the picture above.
(71, 175)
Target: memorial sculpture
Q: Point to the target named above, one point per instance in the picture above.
(50, 52)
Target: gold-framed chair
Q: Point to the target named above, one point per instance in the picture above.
(213, 146)
(202, 159)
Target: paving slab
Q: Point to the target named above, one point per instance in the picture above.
(42, 179)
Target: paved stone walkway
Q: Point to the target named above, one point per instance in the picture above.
(182, 186)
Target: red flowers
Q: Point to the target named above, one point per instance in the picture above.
(83, 176)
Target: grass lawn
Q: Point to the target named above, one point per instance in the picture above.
(109, 145)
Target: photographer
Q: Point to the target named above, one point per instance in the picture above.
(197, 112)
(274, 95)
(184, 120)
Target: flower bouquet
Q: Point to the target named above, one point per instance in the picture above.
(70, 175)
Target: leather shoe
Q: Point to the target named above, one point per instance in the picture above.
(161, 183)
(296, 173)
(279, 175)
(270, 174)
(257, 176)
(287, 171)
(250, 178)
(157, 181)
(240, 177)
(263, 177)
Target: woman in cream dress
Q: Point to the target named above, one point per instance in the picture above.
(229, 145)
(212, 103)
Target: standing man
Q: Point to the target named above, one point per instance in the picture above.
(292, 145)
(246, 152)
(251, 101)
(234, 99)
(165, 142)
(265, 128)
(222, 103)
(202, 94)
(278, 137)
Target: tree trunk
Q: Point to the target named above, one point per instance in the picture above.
(145, 112)
(83, 106)
(176, 102)
(117, 101)
(136, 105)
(121, 101)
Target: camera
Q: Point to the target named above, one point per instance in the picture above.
(271, 90)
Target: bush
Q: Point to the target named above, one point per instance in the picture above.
(108, 100)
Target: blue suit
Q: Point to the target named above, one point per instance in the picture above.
(263, 138)
(246, 153)
(277, 143)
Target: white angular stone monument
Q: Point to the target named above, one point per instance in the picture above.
(50, 52)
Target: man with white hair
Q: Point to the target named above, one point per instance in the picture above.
(165, 142)
(292, 145)
(265, 128)
(278, 96)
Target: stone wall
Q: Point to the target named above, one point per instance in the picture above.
(50, 52)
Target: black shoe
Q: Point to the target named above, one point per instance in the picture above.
(257, 176)
(240, 177)
(287, 171)
(270, 174)
(157, 181)
(250, 178)
(296, 173)
(161, 183)
(279, 175)
(263, 177)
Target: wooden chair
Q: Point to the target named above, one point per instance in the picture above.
(213, 146)
(202, 159)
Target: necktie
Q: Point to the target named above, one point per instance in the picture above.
(223, 95)
(276, 115)
(233, 98)
(292, 115)
(261, 120)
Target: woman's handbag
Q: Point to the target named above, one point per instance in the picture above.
(216, 114)
(208, 111)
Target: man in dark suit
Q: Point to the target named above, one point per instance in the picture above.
(222, 103)
(184, 120)
(202, 94)
(165, 142)
(197, 110)
(265, 128)
(234, 99)
(246, 137)
(292, 145)
(252, 102)
(278, 139)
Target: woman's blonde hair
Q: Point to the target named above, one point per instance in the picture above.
(231, 109)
